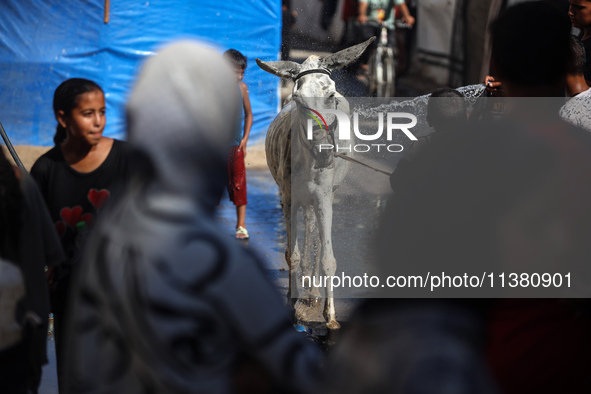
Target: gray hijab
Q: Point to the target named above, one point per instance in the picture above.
(181, 115)
(165, 301)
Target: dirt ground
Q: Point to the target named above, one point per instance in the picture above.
(28, 154)
(255, 155)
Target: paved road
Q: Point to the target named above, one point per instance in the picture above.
(49, 379)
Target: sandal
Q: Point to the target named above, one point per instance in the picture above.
(241, 233)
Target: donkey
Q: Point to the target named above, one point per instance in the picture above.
(307, 176)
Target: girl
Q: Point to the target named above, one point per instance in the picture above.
(77, 178)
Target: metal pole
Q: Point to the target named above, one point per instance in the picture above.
(17, 160)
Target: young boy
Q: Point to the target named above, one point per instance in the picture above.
(236, 170)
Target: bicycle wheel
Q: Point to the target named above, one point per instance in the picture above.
(380, 74)
(389, 75)
(372, 74)
(380, 81)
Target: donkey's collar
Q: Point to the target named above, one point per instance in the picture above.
(313, 71)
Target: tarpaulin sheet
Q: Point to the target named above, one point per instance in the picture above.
(44, 42)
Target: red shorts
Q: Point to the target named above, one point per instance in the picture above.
(236, 176)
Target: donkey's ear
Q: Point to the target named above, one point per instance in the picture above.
(283, 69)
(346, 56)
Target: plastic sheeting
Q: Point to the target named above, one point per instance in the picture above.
(44, 42)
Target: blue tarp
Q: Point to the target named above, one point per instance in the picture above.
(44, 42)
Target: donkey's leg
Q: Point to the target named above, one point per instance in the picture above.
(310, 224)
(295, 257)
(327, 260)
(306, 307)
(292, 254)
(316, 252)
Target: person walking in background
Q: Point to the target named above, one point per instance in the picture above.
(577, 110)
(580, 16)
(382, 11)
(77, 178)
(288, 20)
(237, 154)
(375, 14)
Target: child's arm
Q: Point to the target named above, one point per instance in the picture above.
(362, 12)
(247, 117)
(406, 16)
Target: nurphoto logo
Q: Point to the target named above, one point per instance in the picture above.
(343, 132)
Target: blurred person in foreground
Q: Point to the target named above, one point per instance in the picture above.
(456, 211)
(28, 240)
(577, 109)
(447, 116)
(164, 303)
(510, 196)
(542, 345)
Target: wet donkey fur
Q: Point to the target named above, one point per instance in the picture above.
(296, 161)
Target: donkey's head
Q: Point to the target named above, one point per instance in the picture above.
(313, 86)
(315, 91)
